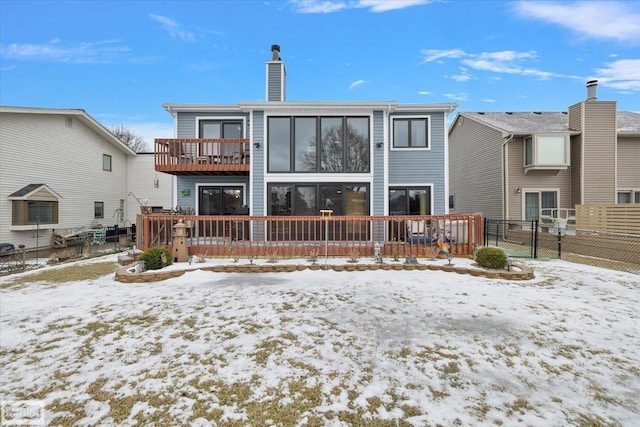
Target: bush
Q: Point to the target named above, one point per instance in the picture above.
(153, 258)
(491, 258)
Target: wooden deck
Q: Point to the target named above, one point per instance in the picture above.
(295, 236)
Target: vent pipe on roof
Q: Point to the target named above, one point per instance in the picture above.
(592, 85)
(275, 51)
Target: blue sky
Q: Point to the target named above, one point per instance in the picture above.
(121, 60)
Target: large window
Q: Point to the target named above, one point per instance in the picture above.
(318, 144)
(410, 201)
(411, 133)
(309, 199)
(26, 212)
(546, 152)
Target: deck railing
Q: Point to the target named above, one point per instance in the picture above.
(201, 155)
(290, 236)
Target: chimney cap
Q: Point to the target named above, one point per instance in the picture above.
(592, 83)
(275, 50)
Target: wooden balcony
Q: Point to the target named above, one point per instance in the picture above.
(202, 156)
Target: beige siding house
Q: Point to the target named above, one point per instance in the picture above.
(61, 169)
(521, 165)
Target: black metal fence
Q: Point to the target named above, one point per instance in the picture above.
(531, 239)
(115, 233)
(517, 238)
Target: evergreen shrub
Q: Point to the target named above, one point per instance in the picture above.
(153, 259)
(491, 258)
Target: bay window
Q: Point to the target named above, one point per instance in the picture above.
(546, 152)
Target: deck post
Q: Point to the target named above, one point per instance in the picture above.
(326, 213)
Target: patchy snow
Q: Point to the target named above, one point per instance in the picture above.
(328, 348)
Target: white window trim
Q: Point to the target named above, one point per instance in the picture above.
(305, 175)
(414, 185)
(223, 118)
(392, 146)
(534, 154)
(215, 184)
(104, 157)
(523, 191)
(631, 191)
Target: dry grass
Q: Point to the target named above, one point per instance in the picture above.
(70, 273)
(308, 357)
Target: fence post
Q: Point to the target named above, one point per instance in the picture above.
(485, 226)
(534, 229)
(559, 242)
(497, 232)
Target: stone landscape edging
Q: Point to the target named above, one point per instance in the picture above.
(124, 274)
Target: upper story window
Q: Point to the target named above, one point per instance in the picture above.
(220, 129)
(411, 132)
(546, 152)
(98, 209)
(106, 162)
(318, 144)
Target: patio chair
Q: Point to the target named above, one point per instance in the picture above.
(99, 236)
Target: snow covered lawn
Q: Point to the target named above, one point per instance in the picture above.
(327, 348)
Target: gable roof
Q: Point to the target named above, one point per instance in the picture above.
(81, 115)
(31, 189)
(524, 123)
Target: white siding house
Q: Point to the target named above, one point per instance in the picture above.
(60, 169)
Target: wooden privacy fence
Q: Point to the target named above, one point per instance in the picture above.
(302, 235)
(620, 218)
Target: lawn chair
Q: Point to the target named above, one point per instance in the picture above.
(99, 236)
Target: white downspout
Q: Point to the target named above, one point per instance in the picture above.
(505, 176)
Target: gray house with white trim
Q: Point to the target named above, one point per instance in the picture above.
(280, 157)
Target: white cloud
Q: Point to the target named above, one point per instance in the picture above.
(386, 5)
(315, 6)
(623, 74)
(456, 96)
(501, 62)
(462, 77)
(357, 83)
(424, 92)
(595, 19)
(329, 6)
(100, 52)
(173, 28)
(489, 100)
(434, 54)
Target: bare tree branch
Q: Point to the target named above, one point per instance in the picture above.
(129, 138)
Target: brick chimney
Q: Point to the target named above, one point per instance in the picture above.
(276, 76)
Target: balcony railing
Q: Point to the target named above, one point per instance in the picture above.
(300, 235)
(202, 156)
